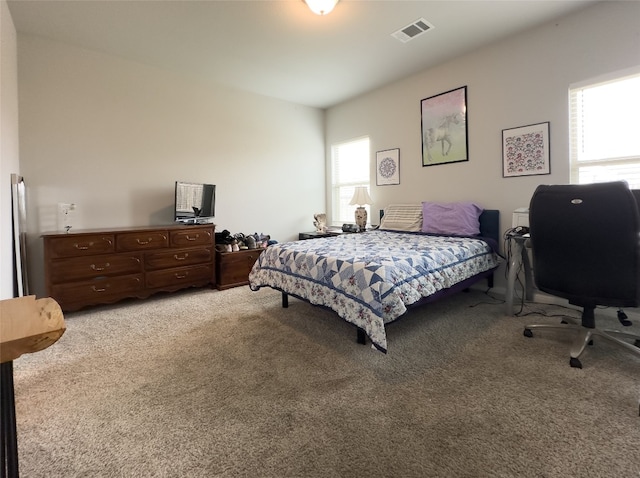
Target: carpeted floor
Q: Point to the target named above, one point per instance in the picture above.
(228, 384)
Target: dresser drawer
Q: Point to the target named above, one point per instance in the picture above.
(242, 260)
(179, 277)
(77, 268)
(97, 290)
(192, 237)
(80, 245)
(139, 241)
(177, 258)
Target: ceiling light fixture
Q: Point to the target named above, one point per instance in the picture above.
(321, 7)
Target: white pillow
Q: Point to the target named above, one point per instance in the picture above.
(402, 217)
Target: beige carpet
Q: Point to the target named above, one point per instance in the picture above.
(229, 384)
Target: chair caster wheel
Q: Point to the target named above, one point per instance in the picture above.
(527, 333)
(575, 363)
(564, 322)
(622, 317)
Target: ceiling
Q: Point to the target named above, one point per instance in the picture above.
(280, 49)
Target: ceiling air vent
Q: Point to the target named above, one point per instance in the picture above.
(412, 30)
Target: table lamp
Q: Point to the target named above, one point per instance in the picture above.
(361, 198)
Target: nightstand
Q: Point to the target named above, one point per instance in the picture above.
(232, 268)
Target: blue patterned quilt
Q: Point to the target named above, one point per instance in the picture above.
(370, 278)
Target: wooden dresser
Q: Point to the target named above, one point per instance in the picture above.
(101, 266)
(232, 268)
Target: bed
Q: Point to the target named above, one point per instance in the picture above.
(420, 253)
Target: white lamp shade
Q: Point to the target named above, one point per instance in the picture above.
(360, 197)
(321, 7)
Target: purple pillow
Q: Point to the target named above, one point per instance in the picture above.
(457, 219)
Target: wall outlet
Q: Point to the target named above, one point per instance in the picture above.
(66, 216)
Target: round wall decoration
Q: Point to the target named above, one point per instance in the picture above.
(388, 167)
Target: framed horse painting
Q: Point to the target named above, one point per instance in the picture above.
(444, 128)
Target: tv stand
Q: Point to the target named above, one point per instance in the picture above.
(102, 266)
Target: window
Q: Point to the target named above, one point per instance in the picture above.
(349, 168)
(605, 131)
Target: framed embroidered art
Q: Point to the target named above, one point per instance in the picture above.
(525, 150)
(388, 167)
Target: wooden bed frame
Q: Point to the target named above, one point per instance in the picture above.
(489, 228)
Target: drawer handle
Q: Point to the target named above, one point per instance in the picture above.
(189, 238)
(96, 268)
(88, 245)
(95, 289)
(143, 243)
(178, 258)
(82, 247)
(181, 276)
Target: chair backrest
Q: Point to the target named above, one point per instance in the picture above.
(585, 243)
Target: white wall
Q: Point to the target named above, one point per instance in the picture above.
(9, 158)
(516, 82)
(112, 136)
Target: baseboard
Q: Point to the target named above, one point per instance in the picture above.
(542, 298)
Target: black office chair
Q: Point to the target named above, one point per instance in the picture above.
(585, 241)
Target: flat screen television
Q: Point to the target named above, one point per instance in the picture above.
(194, 202)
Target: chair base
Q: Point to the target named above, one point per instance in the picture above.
(584, 336)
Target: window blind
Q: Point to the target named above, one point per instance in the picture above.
(604, 130)
(350, 165)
